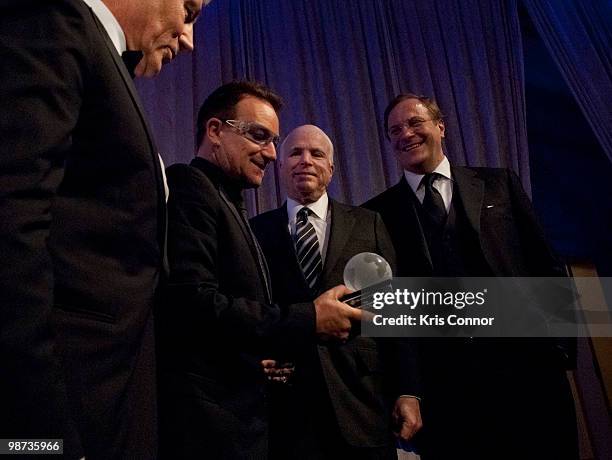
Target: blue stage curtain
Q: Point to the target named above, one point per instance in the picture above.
(578, 35)
(337, 63)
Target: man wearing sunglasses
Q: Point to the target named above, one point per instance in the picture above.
(218, 321)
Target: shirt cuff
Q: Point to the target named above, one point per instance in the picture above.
(409, 396)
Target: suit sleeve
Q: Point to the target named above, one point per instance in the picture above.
(541, 259)
(197, 285)
(384, 243)
(400, 354)
(542, 262)
(42, 48)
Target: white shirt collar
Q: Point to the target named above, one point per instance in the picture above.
(110, 23)
(319, 207)
(414, 179)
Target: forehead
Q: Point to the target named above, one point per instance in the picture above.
(254, 109)
(408, 109)
(309, 139)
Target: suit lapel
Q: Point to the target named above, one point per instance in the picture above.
(285, 249)
(342, 223)
(256, 252)
(470, 190)
(239, 220)
(129, 84)
(131, 89)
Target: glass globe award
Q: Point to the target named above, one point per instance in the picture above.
(365, 273)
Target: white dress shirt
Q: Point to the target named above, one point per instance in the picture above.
(110, 23)
(442, 183)
(320, 218)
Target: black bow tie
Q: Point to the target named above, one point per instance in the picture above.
(131, 60)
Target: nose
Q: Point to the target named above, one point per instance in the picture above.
(186, 39)
(306, 158)
(269, 152)
(407, 130)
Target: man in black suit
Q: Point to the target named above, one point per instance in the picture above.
(338, 403)
(483, 398)
(218, 319)
(82, 221)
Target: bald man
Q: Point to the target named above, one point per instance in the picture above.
(339, 401)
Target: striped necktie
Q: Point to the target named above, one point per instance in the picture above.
(307, 248)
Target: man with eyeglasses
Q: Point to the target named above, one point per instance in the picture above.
(218, 320)
(82, 221)
(482, 398)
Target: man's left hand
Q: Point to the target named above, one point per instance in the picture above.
(407, 417)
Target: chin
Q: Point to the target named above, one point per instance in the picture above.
(305, 190)
(415, 162)
(153, 63)
(253, 182)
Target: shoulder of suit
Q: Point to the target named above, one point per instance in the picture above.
(71, 10)
(382, 198)
(493, 177)
(65, 21)
(60, 6)
(357, 211)
(267, 216)
(483, 170)
(183, 176)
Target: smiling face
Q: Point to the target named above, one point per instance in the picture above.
(240, 157)
(306, 164)
(418, 147)
(162, 30)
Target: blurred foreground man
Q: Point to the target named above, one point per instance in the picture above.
(483, 398)
(82, 221)
(218, 321)
(338, 403)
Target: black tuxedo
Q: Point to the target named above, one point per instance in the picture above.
(341, 390)
(485, 398)
(216, 322)
(81, 236)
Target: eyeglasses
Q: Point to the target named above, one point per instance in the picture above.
(254, 132)
(414, 123)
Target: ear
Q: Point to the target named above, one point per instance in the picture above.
(442, 128)
(213, 130)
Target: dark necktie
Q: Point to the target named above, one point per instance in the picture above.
(307, 248)
(433, 204)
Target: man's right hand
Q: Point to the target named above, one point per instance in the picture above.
(334, 317)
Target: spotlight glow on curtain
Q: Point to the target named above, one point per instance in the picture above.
(337, 63)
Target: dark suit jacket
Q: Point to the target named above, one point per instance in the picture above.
(511, 239)
(216, 321)
(513, 244)
(361, 376)
(81, 236)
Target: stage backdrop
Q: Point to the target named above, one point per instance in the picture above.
(337, 63)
